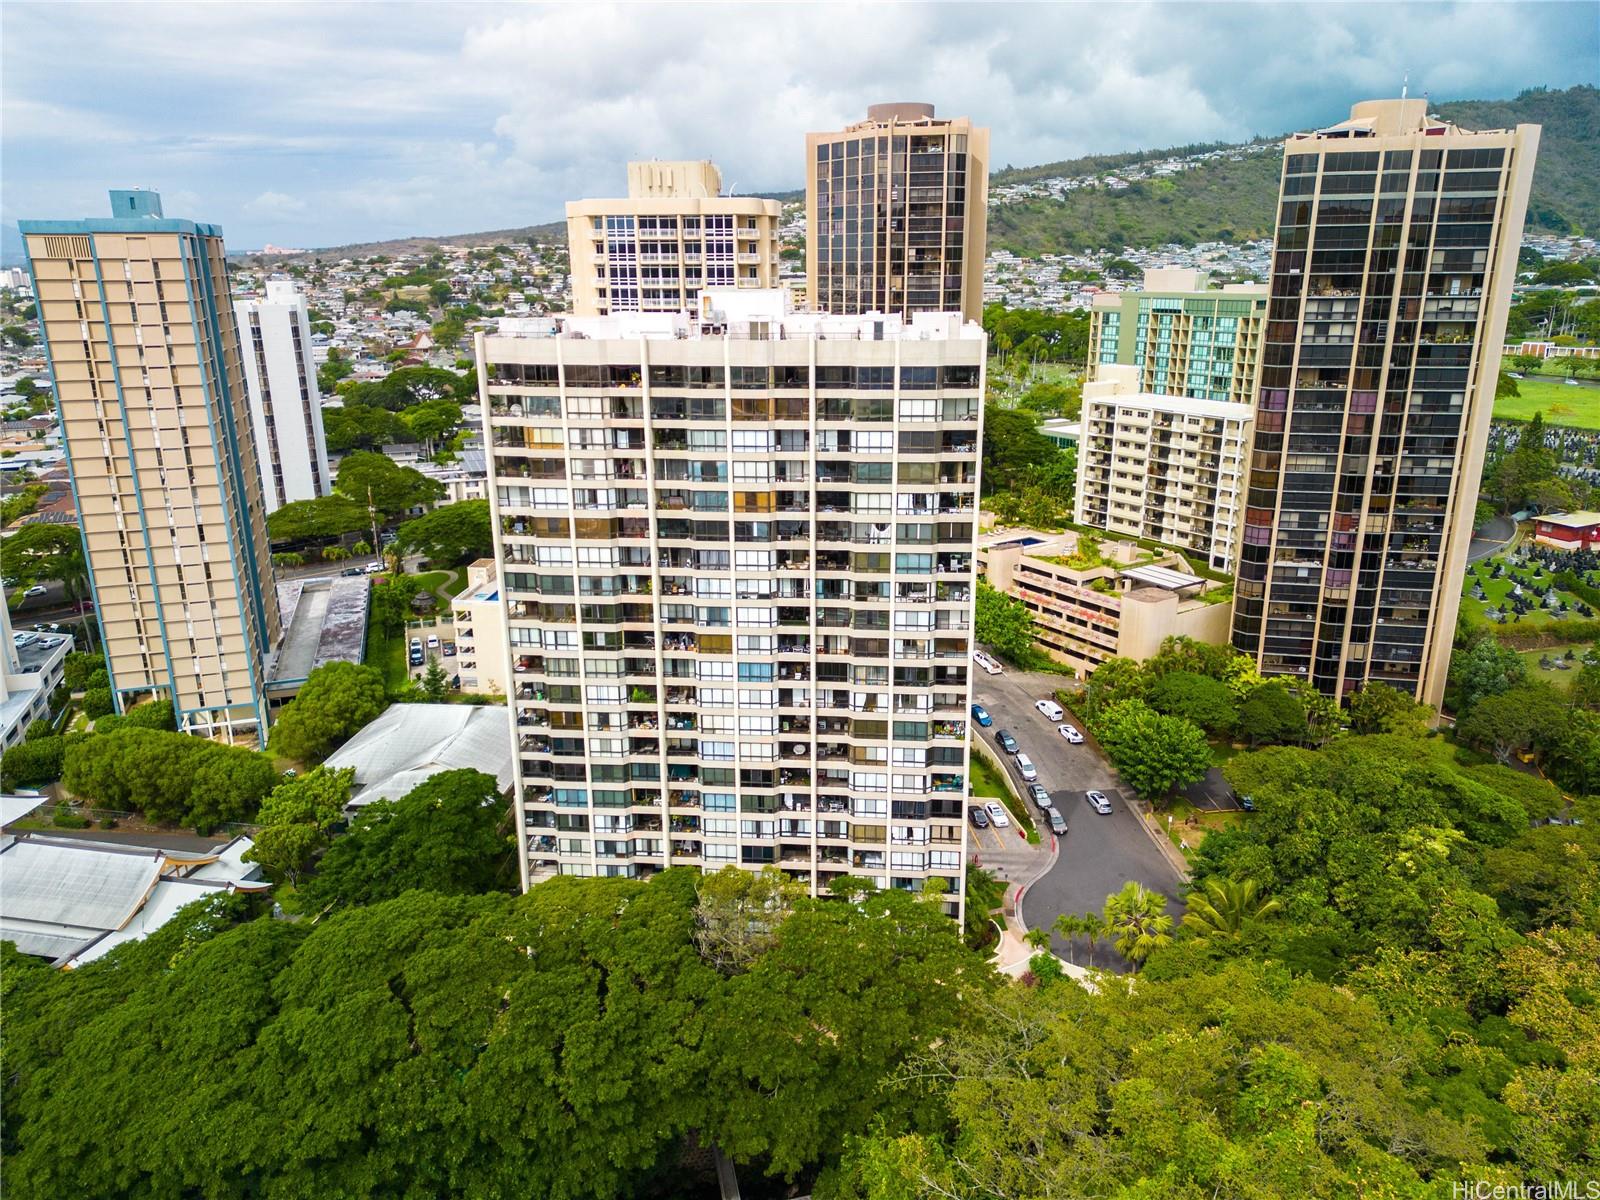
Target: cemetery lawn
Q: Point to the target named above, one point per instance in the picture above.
(1496, 591)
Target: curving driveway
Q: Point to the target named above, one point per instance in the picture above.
(1099, 854)
(1491, 539)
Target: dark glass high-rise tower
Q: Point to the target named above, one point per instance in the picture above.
(895, 213)
(1395, 254)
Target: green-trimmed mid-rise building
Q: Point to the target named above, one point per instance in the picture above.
(1186, 338)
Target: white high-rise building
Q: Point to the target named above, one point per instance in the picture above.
(285, 407)
(736, 558)
(1167, 468)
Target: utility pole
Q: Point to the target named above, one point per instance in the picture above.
(372, 515)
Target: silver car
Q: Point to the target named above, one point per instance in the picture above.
(1099, 802)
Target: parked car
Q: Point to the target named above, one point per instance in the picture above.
(978, 817)
(415, 658)
(1098, 802)
(348, 571)
(449, 649)
(997, 814)
(987, 663)
(1026, 769)
(1005, 741)
(433, 641)
(1040, 796)
(1050, 709)
(1058, 823)
(416, 643)
(980, 714)
(1070, 732)
(1247, 803)
(374, 568)
(37, 589)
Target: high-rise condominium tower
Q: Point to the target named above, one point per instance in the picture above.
(285, 408)
(145, 359)
(736, 549)
(895, 213)
(673, 235)
(1396, 249)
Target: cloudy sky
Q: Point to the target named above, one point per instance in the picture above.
(313, 125)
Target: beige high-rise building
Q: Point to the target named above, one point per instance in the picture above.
(735, 550)
(144, 354)
(1395, 255)
(1185, 337)
(480, 625)
(1168, 469)
(674, 234)
(896, 207)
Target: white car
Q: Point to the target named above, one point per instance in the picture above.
(1050, 709)
(37, 589)
(375, 568)
(987, 663)
(997, 814)
(1070, 732)
(1026, 769)
(433, 641)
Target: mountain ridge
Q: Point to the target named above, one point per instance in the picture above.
(1224, 200)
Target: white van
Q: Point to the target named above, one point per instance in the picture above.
(1050, 709)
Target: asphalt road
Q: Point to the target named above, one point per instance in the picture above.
(1099, 854)
(1491, 539)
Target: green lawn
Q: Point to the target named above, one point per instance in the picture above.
(1497, 590)
(389, 656)
(1557, 677)
(1562, 405)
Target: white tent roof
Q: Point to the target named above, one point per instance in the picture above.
(72, 901)
(411, 742)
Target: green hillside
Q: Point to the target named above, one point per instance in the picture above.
(1230, 201)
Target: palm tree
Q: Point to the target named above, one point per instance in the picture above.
(1138, 921)
(1068, 926)
(1223, 908)
(1039, 939)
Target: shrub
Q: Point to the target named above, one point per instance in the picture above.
(97, 702)
(65, 817)
(32, 762)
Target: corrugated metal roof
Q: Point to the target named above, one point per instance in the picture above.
(411, 742)
(79, 886)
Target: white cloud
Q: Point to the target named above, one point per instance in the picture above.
(274, 206)
(316, 124)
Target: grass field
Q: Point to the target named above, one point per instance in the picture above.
(1497, 590)
(1562, 405)
(389, 656)
(1557, 677)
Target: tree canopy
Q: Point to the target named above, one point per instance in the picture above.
(565, 1043)
(450, 534)
(447, 835)
(317, 520)
(390, 488)
(335, 701)
(168, 776)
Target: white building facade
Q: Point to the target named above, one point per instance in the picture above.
(1166, 468)
(32, 666)
(736, 558)
(285, 407)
